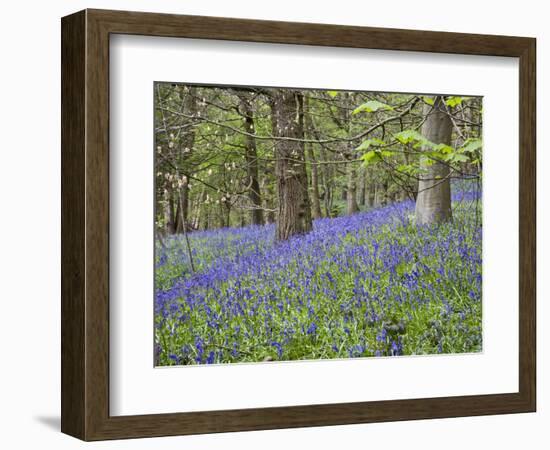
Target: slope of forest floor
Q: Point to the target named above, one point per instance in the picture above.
(369, 284)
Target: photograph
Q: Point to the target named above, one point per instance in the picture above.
(277, 222)
(304, 224)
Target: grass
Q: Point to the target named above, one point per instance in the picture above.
(371, 284)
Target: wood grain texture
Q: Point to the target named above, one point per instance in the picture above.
(85, 224)
(73, 108)
(527, 224)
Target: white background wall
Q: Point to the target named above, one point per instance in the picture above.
(30, 221)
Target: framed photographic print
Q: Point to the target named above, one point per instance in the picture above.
(271, 224)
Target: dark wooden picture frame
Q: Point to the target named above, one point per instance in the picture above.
(85, 224)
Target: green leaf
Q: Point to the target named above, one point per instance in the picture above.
(436, 155)
(371, 157)
(367, 143)
(332, 93)
(471, 145)
(443, 152)
(444, 149)
(408, 169)
(440, 151)
(457, 157)
(372, 106)
(428, 100)
(453, 101)
(408, 136)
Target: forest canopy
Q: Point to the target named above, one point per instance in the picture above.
(233, 156)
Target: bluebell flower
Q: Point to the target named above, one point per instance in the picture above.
(279, 348)
(381, 337)
(312, 328)
(210, 358)
(346, 277)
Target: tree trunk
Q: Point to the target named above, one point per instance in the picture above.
(350, 189)
(315, 201)
(269, 201)
(199, 209)
(362, 187)
(186, 150)
(326, 184)
(351, 193)
(294, 216)
(370, 194)
(378, 195)
(302, 168)
(344, 194)
(171, 226)
(251, 155)
(433, 203)
(166, 211)
(182, 208)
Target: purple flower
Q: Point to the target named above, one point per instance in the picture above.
(312, 328)
(347, 277)
(210, 358)
(279, 348)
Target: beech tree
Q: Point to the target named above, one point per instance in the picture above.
(433, 203)
(239, 156)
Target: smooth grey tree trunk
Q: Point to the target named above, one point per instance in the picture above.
(433, 203)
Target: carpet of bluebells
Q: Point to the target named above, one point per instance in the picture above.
(370, 284)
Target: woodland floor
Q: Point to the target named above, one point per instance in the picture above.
(370, 284)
